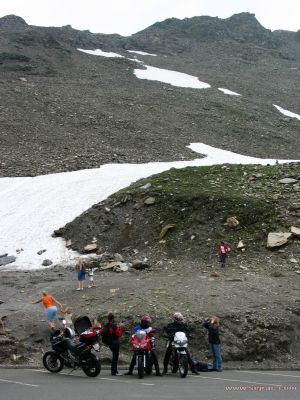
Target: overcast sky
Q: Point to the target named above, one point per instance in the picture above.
(129, 16)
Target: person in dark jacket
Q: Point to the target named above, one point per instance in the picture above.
(212, 325)
(178, 325)
(111, 332)
(145, 326)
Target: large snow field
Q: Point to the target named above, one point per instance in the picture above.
(32, 208)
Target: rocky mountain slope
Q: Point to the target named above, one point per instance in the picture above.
(64, 110)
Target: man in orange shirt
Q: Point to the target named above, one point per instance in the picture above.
(49, 302)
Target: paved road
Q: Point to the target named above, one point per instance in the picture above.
(29, 384)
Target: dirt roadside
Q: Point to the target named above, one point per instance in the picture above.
(253, 324)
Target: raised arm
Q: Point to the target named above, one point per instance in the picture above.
(35, 302)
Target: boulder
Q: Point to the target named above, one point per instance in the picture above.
(149, 201)
(138, 264)
(277, 239)
(122, 267)
(90, 248)
(165, 229)
(118, 257)
(288, 181)
(58, 232)
(117, 266)
(240, 245)
(232, 222)
(295, 231)
(7, 260)
(41, 252)
(46, 263)
(147, 186)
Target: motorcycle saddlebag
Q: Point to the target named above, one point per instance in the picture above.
(88, 337)
(82, 324)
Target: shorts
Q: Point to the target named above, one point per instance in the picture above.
(81, 276)
(91, 278)
(51, 313)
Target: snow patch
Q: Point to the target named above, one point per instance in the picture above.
(101, 53)
(226, 91)
(287, 113)
(142, 53)
(174, 78)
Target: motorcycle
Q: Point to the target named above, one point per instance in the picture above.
(142, 343)
(179, 358)
(74, 353)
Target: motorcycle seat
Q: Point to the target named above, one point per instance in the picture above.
(73, 346)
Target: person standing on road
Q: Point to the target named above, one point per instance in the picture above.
(212, 325)
(111, 332)
(49, 302)
(223, 250)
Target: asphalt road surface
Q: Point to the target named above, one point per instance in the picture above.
(33, 384)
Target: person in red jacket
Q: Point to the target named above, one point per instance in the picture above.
(223, 250)
(111, 332)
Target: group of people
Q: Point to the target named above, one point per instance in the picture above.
(111, 333)
(83, 270)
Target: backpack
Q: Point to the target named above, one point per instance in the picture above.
(106, 335)
(201, 366)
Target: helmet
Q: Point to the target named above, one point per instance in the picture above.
(178, 317)
(146, 318)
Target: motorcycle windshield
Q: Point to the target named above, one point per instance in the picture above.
(140, 335)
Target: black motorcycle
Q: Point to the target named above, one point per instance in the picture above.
(74, 353)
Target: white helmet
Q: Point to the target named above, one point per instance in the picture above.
(178, 317)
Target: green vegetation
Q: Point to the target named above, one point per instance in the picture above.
(196, 201)
(199, 201)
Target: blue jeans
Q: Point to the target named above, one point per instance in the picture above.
(217, 358)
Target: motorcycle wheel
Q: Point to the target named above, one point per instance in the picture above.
(140, 367)
(183, 365)
(53, 362)
(91, 366)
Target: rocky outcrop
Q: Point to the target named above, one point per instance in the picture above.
(277, 239)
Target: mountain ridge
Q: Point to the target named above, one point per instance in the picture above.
(60, 103)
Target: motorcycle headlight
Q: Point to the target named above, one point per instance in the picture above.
(143, 345)
(136, 346)
(180, 342)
